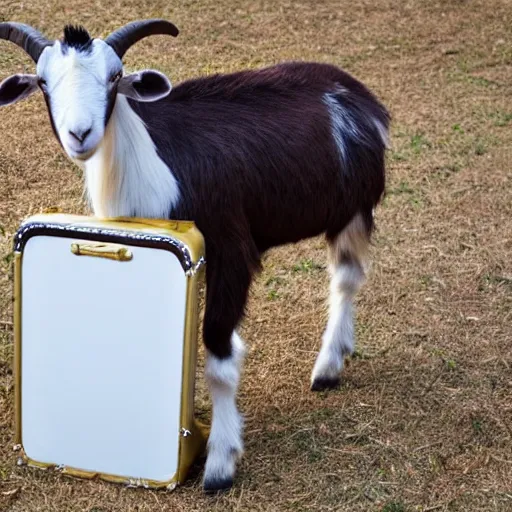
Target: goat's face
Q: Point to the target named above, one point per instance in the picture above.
(80, 78)
(79, 85)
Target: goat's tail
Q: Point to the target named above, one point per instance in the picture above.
(360, 127)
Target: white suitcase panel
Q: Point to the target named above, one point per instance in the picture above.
(101, 362)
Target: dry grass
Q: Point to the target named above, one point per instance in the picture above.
(424, 419)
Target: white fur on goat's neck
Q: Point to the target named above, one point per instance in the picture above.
(125, 176)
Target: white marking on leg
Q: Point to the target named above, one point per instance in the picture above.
(338, 338)
(347, 275)
(225, 444)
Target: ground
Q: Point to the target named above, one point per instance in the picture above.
(423, 420)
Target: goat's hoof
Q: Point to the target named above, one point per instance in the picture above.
(217, 485)
(323, 383)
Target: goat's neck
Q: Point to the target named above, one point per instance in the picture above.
(126, 177)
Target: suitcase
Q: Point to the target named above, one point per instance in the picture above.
(106, 323)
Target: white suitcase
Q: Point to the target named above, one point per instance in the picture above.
(106, 322)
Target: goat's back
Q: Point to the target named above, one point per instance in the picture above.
(289, 151)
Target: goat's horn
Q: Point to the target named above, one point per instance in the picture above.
(32, 41)
(126, 36)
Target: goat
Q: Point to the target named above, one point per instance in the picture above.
(256, 158)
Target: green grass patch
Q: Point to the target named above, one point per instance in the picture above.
(274, 284)
(426, 280)
(307, 266)
(501, 118)
(480, 148)
(450, 364)
(402, 188)
(273, 295)
(419, 142)
(480, 81)
(412, 196)
(275, 280)
(394, 506)
(399, 156)
(477, 425)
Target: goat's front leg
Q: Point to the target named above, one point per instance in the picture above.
(225, 444)
(227, 290)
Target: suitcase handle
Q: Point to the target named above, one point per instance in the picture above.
(113, 252)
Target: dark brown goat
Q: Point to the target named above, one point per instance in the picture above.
(257, 159)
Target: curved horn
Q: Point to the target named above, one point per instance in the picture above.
(28, 38)
(126, 36)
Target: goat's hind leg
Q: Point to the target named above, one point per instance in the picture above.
(347, 255)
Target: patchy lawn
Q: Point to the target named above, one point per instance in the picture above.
(423, 420)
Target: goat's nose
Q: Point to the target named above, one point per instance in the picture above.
(80, 135)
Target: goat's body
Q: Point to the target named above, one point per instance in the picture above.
(256, 159)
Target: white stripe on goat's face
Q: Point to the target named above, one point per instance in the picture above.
(79, 84)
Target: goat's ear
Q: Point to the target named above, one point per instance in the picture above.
(16, 88)
(147, 85)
